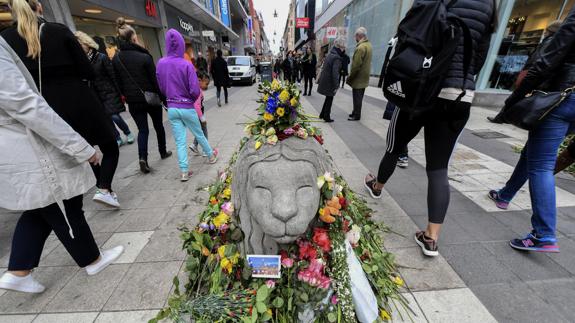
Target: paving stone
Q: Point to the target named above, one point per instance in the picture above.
(145, 286)
(482, 226)
(87, 293)
(528, 266)
(565, 258)
(453, 305)
(179, 215)
(476, 265)
(60, 256)
(424, 273)
(66, 318)
(466, 183)
(402, 231)
(142, 219)
(17, 318)
(54, 278)
(165, 198)
(164, 245)
(133, 243)
(558, 293)
(126, 317)
(132, 199)
(516, 302)
(412, 313)
(106, 220)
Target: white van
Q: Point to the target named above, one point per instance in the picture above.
(242, 69)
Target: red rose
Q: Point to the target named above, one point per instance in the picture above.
(345, 225)
(284, 254)
(343, 202)
(321, 238)
(306, 250)
(319, 139)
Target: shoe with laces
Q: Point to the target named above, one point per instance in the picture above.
(532, 243)
(26, 284)
(428, 246)
(403, 162)
(106, 198)
(214, 157)
(499, 202)
(130, 138)
(370, 182)
(185, 176)
(106, 258)
(194, 149)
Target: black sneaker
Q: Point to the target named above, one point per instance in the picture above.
(144, 167)
(369, 182)
(428, 246)
(165, 155)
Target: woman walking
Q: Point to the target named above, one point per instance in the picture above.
(221, 76)
(442, 124)
(179, 83)
(309, 63)
(64, 69)
(136, 77)
(46, 175)
(329, 78)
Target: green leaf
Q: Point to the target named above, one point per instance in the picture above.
(374, 268)
(176, 282)
(278, 302)
(254, 316)
(332, 317)
(261, 307)
(304, 297)
(263, 293)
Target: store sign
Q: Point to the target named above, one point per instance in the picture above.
(186, 26)
(151, 9)
(331, 32)
(224, 10)
(208, 33)
(302, 22)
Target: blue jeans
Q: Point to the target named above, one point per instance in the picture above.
(517, 180)
(540, 156)
(182, 119)
(119, 121)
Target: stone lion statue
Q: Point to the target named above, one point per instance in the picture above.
(275, 192)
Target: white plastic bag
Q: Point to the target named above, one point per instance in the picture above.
(364, 300)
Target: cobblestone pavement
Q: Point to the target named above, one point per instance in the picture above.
(477, 278)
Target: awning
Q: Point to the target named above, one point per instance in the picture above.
(202, 14)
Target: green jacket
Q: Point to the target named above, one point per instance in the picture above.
(360, 66)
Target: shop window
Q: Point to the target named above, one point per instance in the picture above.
(524, 31)
(568, 6)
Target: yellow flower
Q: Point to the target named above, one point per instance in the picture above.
(293, 102)
(284, 96)
(269, 311)
(275, 85)
(226, 264)
(398, 281)
(221, 219)
(222, 251)
(235, 258)
(266, 97)
(271, 131)
(281, 112)
(272, 140)
(227, 193)
(384, 315)
(248, 129)
(268, 117)
(321, 212)
(205, 251)
(258, 144)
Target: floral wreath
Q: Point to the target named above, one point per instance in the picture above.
(315, 283)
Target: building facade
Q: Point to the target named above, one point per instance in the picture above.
(288, 39)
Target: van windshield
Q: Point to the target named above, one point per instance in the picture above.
(241, 61)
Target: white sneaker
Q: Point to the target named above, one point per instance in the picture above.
(185, 176)
(402, 162)
(106, 258)
(110, 199)
(194, 149)
(26, 284)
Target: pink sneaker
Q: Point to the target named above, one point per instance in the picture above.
(214, 158)
(499, 202)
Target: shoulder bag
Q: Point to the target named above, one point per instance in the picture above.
(152, 98)
(530, 111)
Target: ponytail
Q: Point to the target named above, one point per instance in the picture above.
(27, 22)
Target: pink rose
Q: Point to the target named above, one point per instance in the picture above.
(287, 262)
(334, 299)
(228, 208)
(270, 283)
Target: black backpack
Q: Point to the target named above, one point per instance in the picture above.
(420, 55)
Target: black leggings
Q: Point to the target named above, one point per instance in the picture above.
(35, 226)
(105, 171)
(442, 127)
(219, 91)
(140, 112)
(308, 81)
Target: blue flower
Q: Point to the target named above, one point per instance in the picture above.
(272, 105)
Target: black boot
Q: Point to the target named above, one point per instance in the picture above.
(144, 167)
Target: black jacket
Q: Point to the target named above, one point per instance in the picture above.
(135, 72)
(105, 83)
(66, 71)
(556, 63)
(345, 64)
(220, 73)
(329, 78)
(309, 65)
(201, 64)
(479, 16)
(288, 66)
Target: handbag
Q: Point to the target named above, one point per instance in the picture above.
(530, 111)
(152, 98)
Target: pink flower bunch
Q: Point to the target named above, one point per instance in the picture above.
(314, 276)
(228, 208)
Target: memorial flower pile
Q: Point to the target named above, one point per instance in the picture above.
(316, 282)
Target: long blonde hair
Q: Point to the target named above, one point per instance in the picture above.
(23, 12)
(84, 39)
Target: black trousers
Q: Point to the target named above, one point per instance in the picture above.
(35, 226)
(326, 109)
(357, 102)
(219, 91)
(308, 80)
(442, 126)
(342, 79)
(140, 112)
(105, 171)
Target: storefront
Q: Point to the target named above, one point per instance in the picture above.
(98, 18)
(188, 27)
(523, 28)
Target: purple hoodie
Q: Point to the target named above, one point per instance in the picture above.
(177, 77)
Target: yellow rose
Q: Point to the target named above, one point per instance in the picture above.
(293, 102)
(266, 97)
(226, 264)
(275, 85)
(281, 112)
(384, 315)
(268, 117)
(221, 219)
(321, 211)
(398, 281)
(222, 251)
(284, 96)
(227, 193)
(258, 144)
(271, 131)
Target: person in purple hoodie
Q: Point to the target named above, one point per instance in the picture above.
(179, 83)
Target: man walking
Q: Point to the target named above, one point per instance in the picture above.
(358, 78)
(201, 63)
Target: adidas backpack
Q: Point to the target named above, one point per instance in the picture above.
(420, 55)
